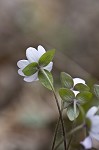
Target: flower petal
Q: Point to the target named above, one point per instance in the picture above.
(49, 66)
(34, 77)
(32, 54)
(78, 80)
(20, 72)
(75, 92)
(91, 112)
(87, 143)
(22, 63)
(94, 135)
(41, 50)
(95, 124)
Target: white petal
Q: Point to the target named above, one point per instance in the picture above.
(92, 111)
(41, 50)
(95, 124)
(95, 130)
(75, 92)
(49, 66)
(87, 143)
(34, 77)
(32, 54)
(94, 135)
(78, 80)
(20, 72)
(22, 63)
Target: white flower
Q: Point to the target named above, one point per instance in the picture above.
(94, 129)
(77, 81)
(33, 55)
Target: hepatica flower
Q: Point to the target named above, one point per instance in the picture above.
(74, 93)
(37, 60)
(94, 127)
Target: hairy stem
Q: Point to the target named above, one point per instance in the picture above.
(58, 106)
(60, 113)
(55, 134)
(69, 143)
(84, 119)
(56, 129)
(70, 133)
(70, 140)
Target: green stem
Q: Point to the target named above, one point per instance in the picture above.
(73, 131)
(59, 110)
(70, 141)
(55, 134)
(73, 126)
(63, 129)
(56, 129)
(75, 109)
(77, 128)
(83, 117)
(82, 112)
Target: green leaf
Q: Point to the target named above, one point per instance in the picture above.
(66, 94)
(46, 58)
(81, 87)
(83, 97)
(96, 90)
(30, 69)
(88, 123)
(46, 79)
(66, 104)
(66, 80)
(71, 114)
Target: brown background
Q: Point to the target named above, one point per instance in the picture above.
(27, 110)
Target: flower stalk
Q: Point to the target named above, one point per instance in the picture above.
(70, 133)
(59, 109)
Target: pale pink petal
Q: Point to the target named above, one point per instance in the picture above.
(22, 63)
(32, 54)
(41, 50)
(49, 66)
(31, 78)
(87, 143)
(78, 80)
(20, 72)
(91, 112)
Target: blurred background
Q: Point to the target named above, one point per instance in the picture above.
(28, 112)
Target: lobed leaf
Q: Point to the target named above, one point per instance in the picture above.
(71, 114)
(96, 90)
(46, 79)
(66, 104)
(30, 69)
(81, 87)
(84, 97)
(46, 58)
(67, 95)
(66, 80)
